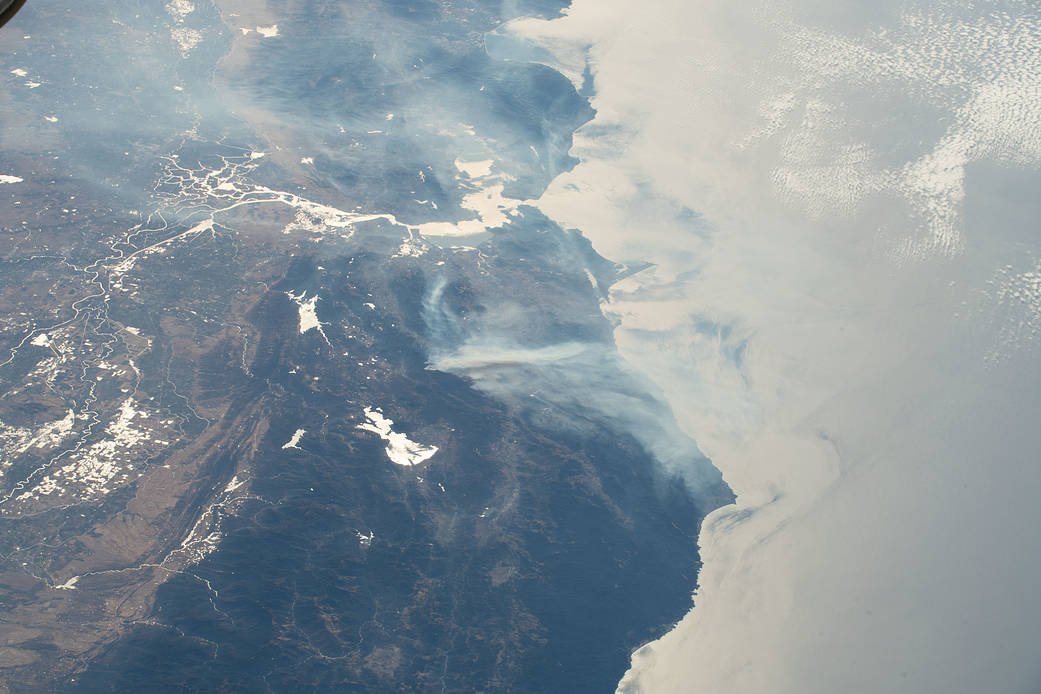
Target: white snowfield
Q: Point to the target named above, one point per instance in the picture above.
(475, 169)
(400, 449)
(485, 200)
(308, 313)
(294, 440)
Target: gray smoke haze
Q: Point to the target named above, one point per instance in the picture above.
(840, 203)
(521, 355)
(372, 107)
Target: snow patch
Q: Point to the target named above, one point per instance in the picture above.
(294, 440)
(69, 584)
(16, 441)
(411, 247)
(488, 204)
(186, 39)
(179, 9)
(308, 313)
(400, 449)
(106, 464)
(475, 169)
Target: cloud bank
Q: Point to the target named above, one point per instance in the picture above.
(843, 312)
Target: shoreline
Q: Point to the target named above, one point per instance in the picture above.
(812, 298)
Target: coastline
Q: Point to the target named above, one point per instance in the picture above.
(824, 316)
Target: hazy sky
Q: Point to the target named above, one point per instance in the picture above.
(845, 314)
